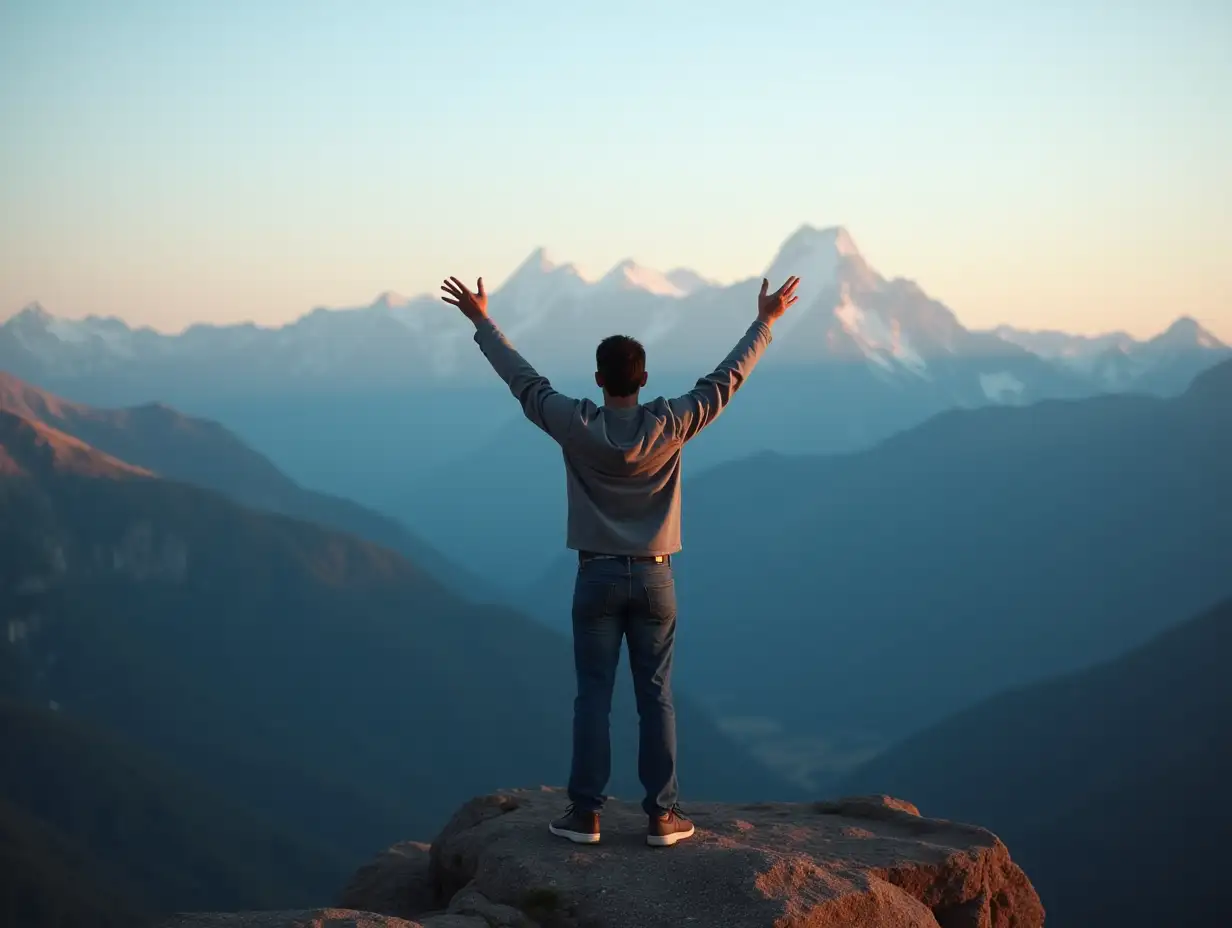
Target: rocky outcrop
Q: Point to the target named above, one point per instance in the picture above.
(868, 861)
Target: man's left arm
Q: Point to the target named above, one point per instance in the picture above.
(551, 411)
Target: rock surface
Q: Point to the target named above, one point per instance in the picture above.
(868, 861)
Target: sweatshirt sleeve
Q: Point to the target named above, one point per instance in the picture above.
(700, 406)
(551, 411)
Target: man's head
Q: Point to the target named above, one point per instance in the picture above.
(620, 363)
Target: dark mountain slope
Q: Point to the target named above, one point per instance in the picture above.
(96, 829)
(46, 879)
(1106, 782)
(202, 452)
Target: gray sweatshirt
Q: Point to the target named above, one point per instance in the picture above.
(622, 466)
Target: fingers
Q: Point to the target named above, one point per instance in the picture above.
(788, 288)
(787, 303)
(458, 294)
(765, 287)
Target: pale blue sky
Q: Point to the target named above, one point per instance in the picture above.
(1061, 164)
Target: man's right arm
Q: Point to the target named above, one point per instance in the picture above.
(702, 405)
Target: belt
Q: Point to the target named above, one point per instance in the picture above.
(584, 556)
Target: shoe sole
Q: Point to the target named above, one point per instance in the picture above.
(669, 840)
(577, 837)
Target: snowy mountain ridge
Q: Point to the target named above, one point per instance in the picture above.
(847, 314)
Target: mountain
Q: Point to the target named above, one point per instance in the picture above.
(161, 440)
(321, 683)
(1003, 544)
(688, 281)
(1116, 361)
(1104, 781)
(47, 880)
(629, 275)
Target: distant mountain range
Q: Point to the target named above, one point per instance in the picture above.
(307, 686)
(835, 604)
(848, 312)
(392, 405)
(1116, 361)
(1106, 782)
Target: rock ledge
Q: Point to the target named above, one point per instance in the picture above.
(868, 861)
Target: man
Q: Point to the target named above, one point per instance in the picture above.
(622, 473)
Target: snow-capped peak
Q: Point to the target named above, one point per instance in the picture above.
(539, 262)
(33, 321)
(47, 336)
(815, 256)
(687, 280)
(1185, 333)
(629, 275)
(535, 270)
(1065, 346)
(809, 245)
(389, 299)
(31, 315)
(536, 286)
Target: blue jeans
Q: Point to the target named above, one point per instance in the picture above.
(615, 599)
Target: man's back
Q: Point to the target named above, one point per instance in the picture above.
(622, 463)
(622, 476)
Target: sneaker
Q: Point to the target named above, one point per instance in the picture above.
(668, 827)
(578, 826)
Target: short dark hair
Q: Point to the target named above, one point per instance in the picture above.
(621, 362)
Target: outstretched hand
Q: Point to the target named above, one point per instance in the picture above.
(772, 305)
(474, 306)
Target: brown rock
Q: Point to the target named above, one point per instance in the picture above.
(395, 883)
(867, 861)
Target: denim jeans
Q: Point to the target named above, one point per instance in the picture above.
(615, 599)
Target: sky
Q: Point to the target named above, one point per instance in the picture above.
(1048, 164)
